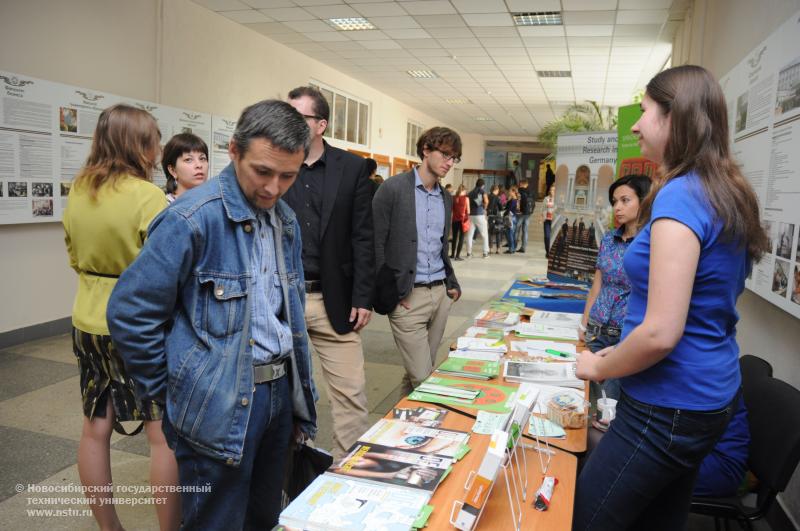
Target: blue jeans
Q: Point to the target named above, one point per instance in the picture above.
(595, 343)
(640, 476)
(510, 232)
(522, 231)
(248, 496)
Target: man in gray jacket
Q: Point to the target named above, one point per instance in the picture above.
(412, 215)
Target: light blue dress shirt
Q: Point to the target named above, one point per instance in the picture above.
(272, 335)
(429, 207)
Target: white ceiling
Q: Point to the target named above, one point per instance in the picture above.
(612, 47)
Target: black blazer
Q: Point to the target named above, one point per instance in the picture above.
(396, 235)
(346, 246)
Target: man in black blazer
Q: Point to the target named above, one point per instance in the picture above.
(332, 200)
(417, 283)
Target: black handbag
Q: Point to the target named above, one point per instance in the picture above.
(306, 463)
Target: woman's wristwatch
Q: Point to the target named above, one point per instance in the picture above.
(582, 327)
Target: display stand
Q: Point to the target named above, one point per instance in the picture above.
(513, 474)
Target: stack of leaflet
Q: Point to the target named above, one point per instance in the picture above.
(496, 318)
(373, 487)
(469, 368)
(563, 319)
(445, 390)
(551, 350)
(479, 348)
(424, 416)
(488, 333)
(546, 331)
(558, 374)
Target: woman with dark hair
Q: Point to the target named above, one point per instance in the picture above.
(111, 203)
(601, 324)
(678, 357)
(185, 163)
(460, 215)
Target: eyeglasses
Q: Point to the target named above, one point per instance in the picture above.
(448, 157)
(313, 117)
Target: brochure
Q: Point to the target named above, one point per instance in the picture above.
(423, 416)
(469, 368)
(444, 390)
(333, 503)
(559, 374)
(484, 344)
(545, 331)
(408, 436)
(565, 319)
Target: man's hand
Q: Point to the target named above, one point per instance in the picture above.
(298, 434)
(453, 294)
(361, 316)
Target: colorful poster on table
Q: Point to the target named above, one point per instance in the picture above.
(763, 96)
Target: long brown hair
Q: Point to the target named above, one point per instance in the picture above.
(126, 142)
(698, 141)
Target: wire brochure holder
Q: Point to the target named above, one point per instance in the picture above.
(507, 452)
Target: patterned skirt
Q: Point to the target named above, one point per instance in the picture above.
(103, 377)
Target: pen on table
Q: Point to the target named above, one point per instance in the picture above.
(558, 353)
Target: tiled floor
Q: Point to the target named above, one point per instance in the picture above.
(40, 413)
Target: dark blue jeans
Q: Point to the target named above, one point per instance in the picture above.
(547, 228)
(595, 343)
(640, 476)
(248, 496)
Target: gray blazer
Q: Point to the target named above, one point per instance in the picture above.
(395, 224)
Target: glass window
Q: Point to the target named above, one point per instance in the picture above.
(340, 117)
(363, 123)
(352, 120)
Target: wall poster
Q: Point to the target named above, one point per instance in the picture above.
(763, 96)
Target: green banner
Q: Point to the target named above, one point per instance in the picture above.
(628, 145)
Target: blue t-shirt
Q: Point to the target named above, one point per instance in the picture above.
(702, 371)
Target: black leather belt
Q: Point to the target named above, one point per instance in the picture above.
(313, 286)
(269, 371)
(104, 275)
(597, 330)
(428, 285)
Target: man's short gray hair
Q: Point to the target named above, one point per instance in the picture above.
(275, 121)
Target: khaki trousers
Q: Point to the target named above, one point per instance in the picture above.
(419, 330)
(342, 359)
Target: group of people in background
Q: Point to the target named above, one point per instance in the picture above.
(199, 318)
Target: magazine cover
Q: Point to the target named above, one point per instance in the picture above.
(333, 503)
(424, 416)
(408, 436)
(560, 374)
(391, 466)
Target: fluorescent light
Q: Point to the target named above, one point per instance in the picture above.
(351, 24)
(540, 18)
(554, 73)
(422, 74)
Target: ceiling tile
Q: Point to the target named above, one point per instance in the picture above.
(541, 31)
(308, 48)
(460, 43)
(249, 16)
(637, 30)
(589, 5)
(475, 61)
(303, 3)
(479, 6)
(429, 7)
(642, 16)
(356, 54)
(430, 52)
(634, 41)
(507, 52)
(501, 42)
(644, 4)
(512, 60)
(547, 52)
(588, 17)
(290, 38)
(583, 30)
(344, 45)
(582, 42)
(380, 45)
(544, 42)
(270, 28)
(582, 51)
(408, 33)
(367, 35)
(468, 52)
(326, 36)
(264, 4)
(490, 19)
(394, 22)
(307, 26)
(451, 33)
(288, 13)
(415, 44)
(440, 21)
(222, 5)
(335, 11)
(381, 9)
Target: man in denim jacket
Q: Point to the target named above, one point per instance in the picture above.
(209, 320)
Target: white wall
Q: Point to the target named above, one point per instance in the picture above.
(172, 52)
(718, 35)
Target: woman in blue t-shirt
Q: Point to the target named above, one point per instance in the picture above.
(678, 357)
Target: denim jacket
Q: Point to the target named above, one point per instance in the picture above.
(180, 317)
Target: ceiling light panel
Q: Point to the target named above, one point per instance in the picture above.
(549, 74)
(422, 74)
(351, 24)
(540, 18)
